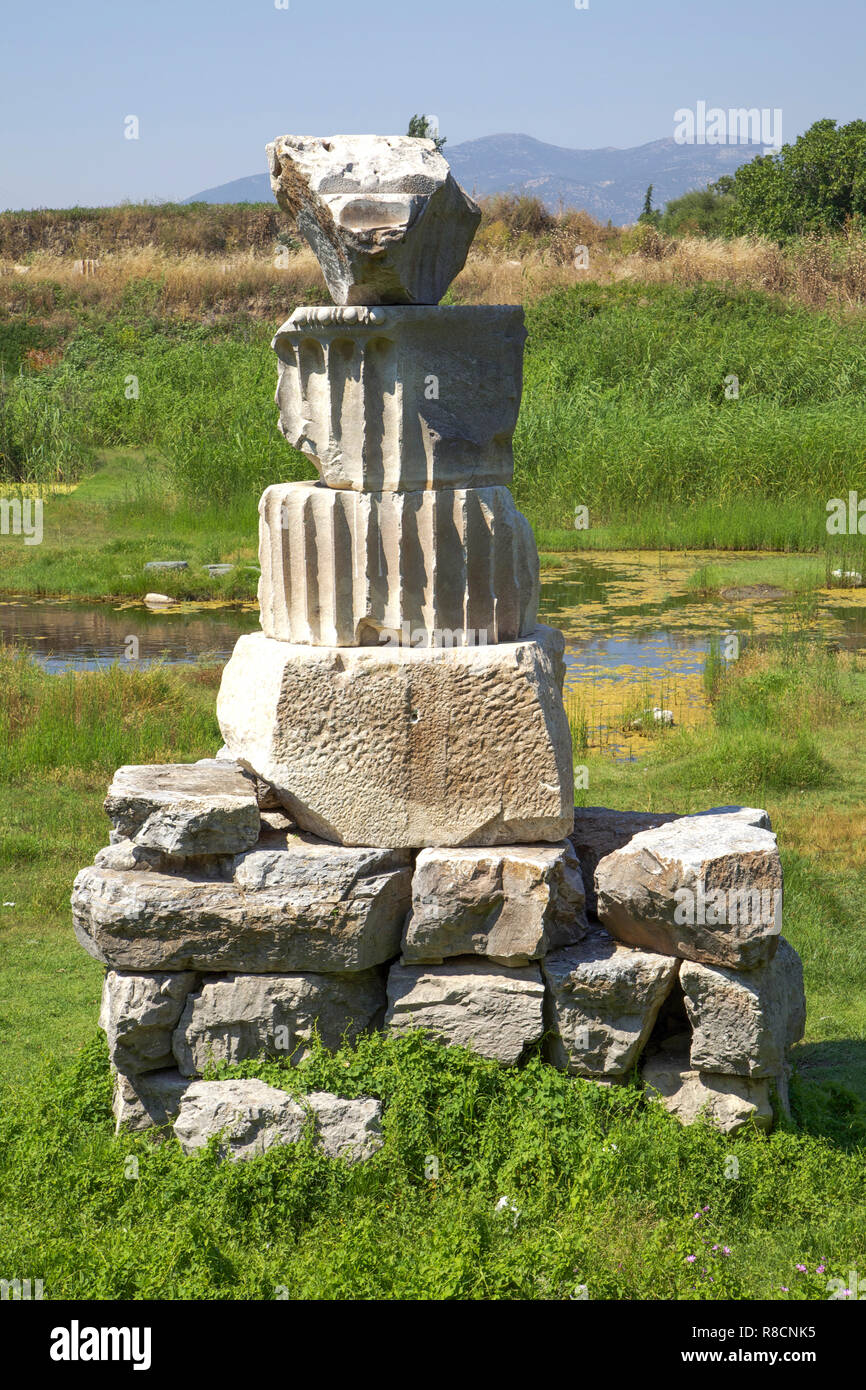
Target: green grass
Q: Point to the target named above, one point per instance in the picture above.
(623, 411)
(98, 539)
(603, 1189)
(62, 738)
(606, 1184)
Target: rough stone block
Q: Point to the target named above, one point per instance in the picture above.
(429, 569)
(512, 904)
(139, 1014)
(299, 906)
(474, 1003)
(400, 400)
(347, 1129)
(207, 807)
(745, 1022)
(250, 1117)
(707, 888)
(730, 1103)
(407, 747)
(598, 831)
(240, 1017)
(148, 1101)
(385, 218)
(602, 1002)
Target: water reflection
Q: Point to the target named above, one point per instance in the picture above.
(64, 634)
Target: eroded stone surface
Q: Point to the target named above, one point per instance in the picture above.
(297, 906)
(444, 568)
(403, 399)
(239, 1017)
(728, 1102)
(407, 747)
(139, 1013)
(147, 1101)
(744, 1022)
(511, 904)
(385, 218)
(207, 807)
(602, 1001)
(250, 1117)
(706, 888)
(474, 1003)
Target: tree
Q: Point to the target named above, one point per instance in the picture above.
(420, 129)
(814, 186)
(701, 212)
(648, 215)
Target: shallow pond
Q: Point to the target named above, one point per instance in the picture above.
(637, 626)
(65, 634)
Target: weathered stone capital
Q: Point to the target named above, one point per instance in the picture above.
(402, 399)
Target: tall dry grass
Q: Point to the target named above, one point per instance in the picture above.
(521, 252)
(819, 274)
(164, 283)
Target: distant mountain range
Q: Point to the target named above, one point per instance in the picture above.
(610, 184)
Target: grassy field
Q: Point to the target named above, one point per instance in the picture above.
(605, 1185)
(624, 413)
(138, 402)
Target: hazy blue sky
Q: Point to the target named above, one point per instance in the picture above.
(212, 80)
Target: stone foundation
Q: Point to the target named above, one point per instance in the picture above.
(246, 955)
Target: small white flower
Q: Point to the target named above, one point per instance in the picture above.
(506, 1204)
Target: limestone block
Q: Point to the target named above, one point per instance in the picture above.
(385, 218)
(207, 807)
(511, 904)
(148, 1101)
(728, 1102)
(399, 400)
(297, 907)
(347, 1129)
(744, 1022)
(239, 1017)
(126, 855)
(602, 1001)
(139, 1013)
(250, 1117)
(598, 831)
(708, 888)
(473, 1003)
(407, 747)
(425, 569)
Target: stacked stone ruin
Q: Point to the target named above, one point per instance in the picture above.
(388, 836)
